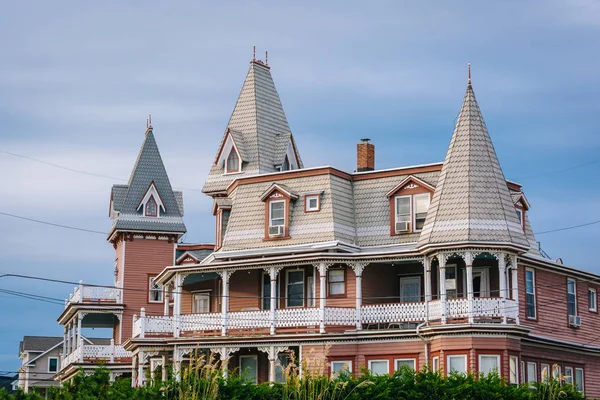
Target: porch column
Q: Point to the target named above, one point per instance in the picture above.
(79, 318)
(515, 284)
(272, 355)
(224, 353)
(502, 279)
(177, 293)
(140, 374)
(134, 381)
(166, 299)
(64, 341)
(68, 337)
(469, 265)
(225, 275)
(427, 276)
(164, 369)
(176, 364)
(358, 270)
(442, 284)
(273, 272)
(322, 294)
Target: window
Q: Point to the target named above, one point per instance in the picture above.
(569, 375)
(336, 279)
(530, 293)
(421, 204)
(200, 302)
(295, 289)
(572, 296)
(457, 364)
(405, 362)
(451, 281)
(410, 289)
(53, 364)
(545, 375)
(592, 302)
(556, 371)
(249, 368)
(280, 366)
(266, 291)
(310, 285)
(579, 379)
(340, 368)
(402, 210)
(312, 203)
(378, 367)
(435, 364)
(513, 370)
(489, 364)
(520, 215)
(286, 164)
(151, 209)
(531, 372)
(277, 213)
(155, 292)
(233, 162)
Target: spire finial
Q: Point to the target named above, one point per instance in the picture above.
(149, 122)
(253, 53)
(267, 58)
(469, 74)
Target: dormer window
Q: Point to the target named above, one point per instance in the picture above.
(409, 203)
(151, 208)
(286, 164)
(233, 162)
(277, 201)
(277, 213)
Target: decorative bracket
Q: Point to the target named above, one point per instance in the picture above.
(225, 352)
(323, 267)
(358, 267)
(225, 275)
(272, 271)
(273, 351)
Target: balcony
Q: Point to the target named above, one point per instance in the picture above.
(95, 294)
(329, 319)
(94, 354)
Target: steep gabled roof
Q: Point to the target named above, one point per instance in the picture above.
(259, 129)
(471, 203)
(148, 170)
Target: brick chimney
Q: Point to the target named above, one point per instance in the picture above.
(365, 156)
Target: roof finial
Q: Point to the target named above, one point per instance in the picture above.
(267, 58)
(469, 74)
(253, 53)
(149, 121)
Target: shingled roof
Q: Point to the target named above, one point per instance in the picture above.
(471, 203)
(259, 128)
(126, 199)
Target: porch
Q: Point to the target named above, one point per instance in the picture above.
(95, 294)
(96, 354)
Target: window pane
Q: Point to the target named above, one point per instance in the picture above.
(531, 372)
(592, 299)
(53, 365)
(436, 364)
(248, 368)
(457, 364)
(530, 290)
(556, 371)
(277, 213)
(513, 369)
(280, 366)
(295, 289)
(421, 203)
(155, 294)
(232, 161)
(341, 367)
(378, 367)
(579, 379)
(569, 375)
(410, 363)
(488, 364)
(336, 288)
(545, 372)
(402, 205)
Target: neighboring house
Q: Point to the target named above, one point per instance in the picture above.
(40, 360)
(9, 383)
(433, 264)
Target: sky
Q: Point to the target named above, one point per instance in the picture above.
(78, 79)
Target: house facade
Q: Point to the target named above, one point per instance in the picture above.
(431, 264)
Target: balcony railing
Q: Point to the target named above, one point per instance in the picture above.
(390, 315)
(95, 353)
(95, 294)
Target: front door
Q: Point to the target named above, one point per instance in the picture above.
(249, 368)
(410, 289)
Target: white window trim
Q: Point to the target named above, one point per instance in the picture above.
(463, 356)
(308, 208)
(271, 212)
(510, 359)
(410, 211)
(203, 291)
(237, 153)
(380, 360)
(548, 374)
(242, 372)
(521, 213)
(497, 357)
(582, 379)
(414, 361)
(556, 371)
(152, 192)
(287, 281)
(413, 211)
(572, 376)
(57, 365)
(535, 378)
(435, 363)
(343, 362)
(534, 296)
(595, 304)
(150, 291)
(575, 293)
(330, 282)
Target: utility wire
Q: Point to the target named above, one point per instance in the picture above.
(561, 170)
(568, 227)
(52, 223)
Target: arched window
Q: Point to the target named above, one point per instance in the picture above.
(151, 209)
(233, 162)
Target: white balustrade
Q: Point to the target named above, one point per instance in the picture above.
(250, 319)
(84, 293)
(393, 312)
(137, 327)
(457, 308)
(435, 310)
(74, 357)
(340, 316)
(157, 324)
(201, 322)
(291, 317)
(104, 352)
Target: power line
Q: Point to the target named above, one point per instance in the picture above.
(568, 227)
(561, 170)
(52, 223)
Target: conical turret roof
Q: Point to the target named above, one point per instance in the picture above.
(471, 203)
(259, 128)
(148, 171)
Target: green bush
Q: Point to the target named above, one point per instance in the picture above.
(204, 380)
